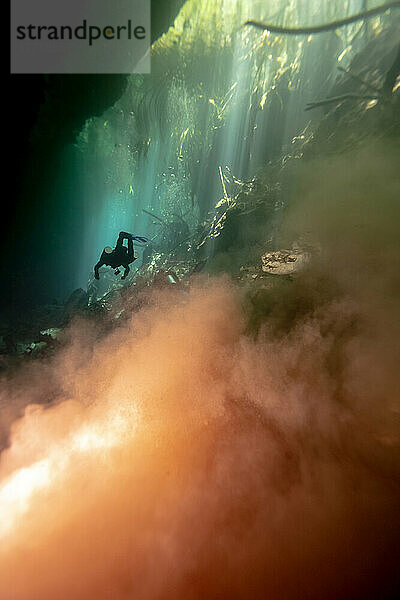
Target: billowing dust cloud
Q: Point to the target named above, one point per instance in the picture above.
(188, 455)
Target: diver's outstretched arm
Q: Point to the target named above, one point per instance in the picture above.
(120, 240)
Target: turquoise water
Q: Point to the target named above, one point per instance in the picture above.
(222, 98)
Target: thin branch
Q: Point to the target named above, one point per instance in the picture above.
(223, 184)
(153, 215)
(366, 14)
(311, 105)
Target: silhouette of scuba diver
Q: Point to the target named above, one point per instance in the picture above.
(121, 256)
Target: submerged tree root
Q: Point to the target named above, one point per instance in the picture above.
(366, 14)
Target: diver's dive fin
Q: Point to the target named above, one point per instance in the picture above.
(139, 238)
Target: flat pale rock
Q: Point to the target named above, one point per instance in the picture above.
(284, 262)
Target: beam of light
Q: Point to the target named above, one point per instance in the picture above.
(17, 491)
(21, 487)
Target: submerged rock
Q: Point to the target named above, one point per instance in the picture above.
(53, 332)
(285, 262)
